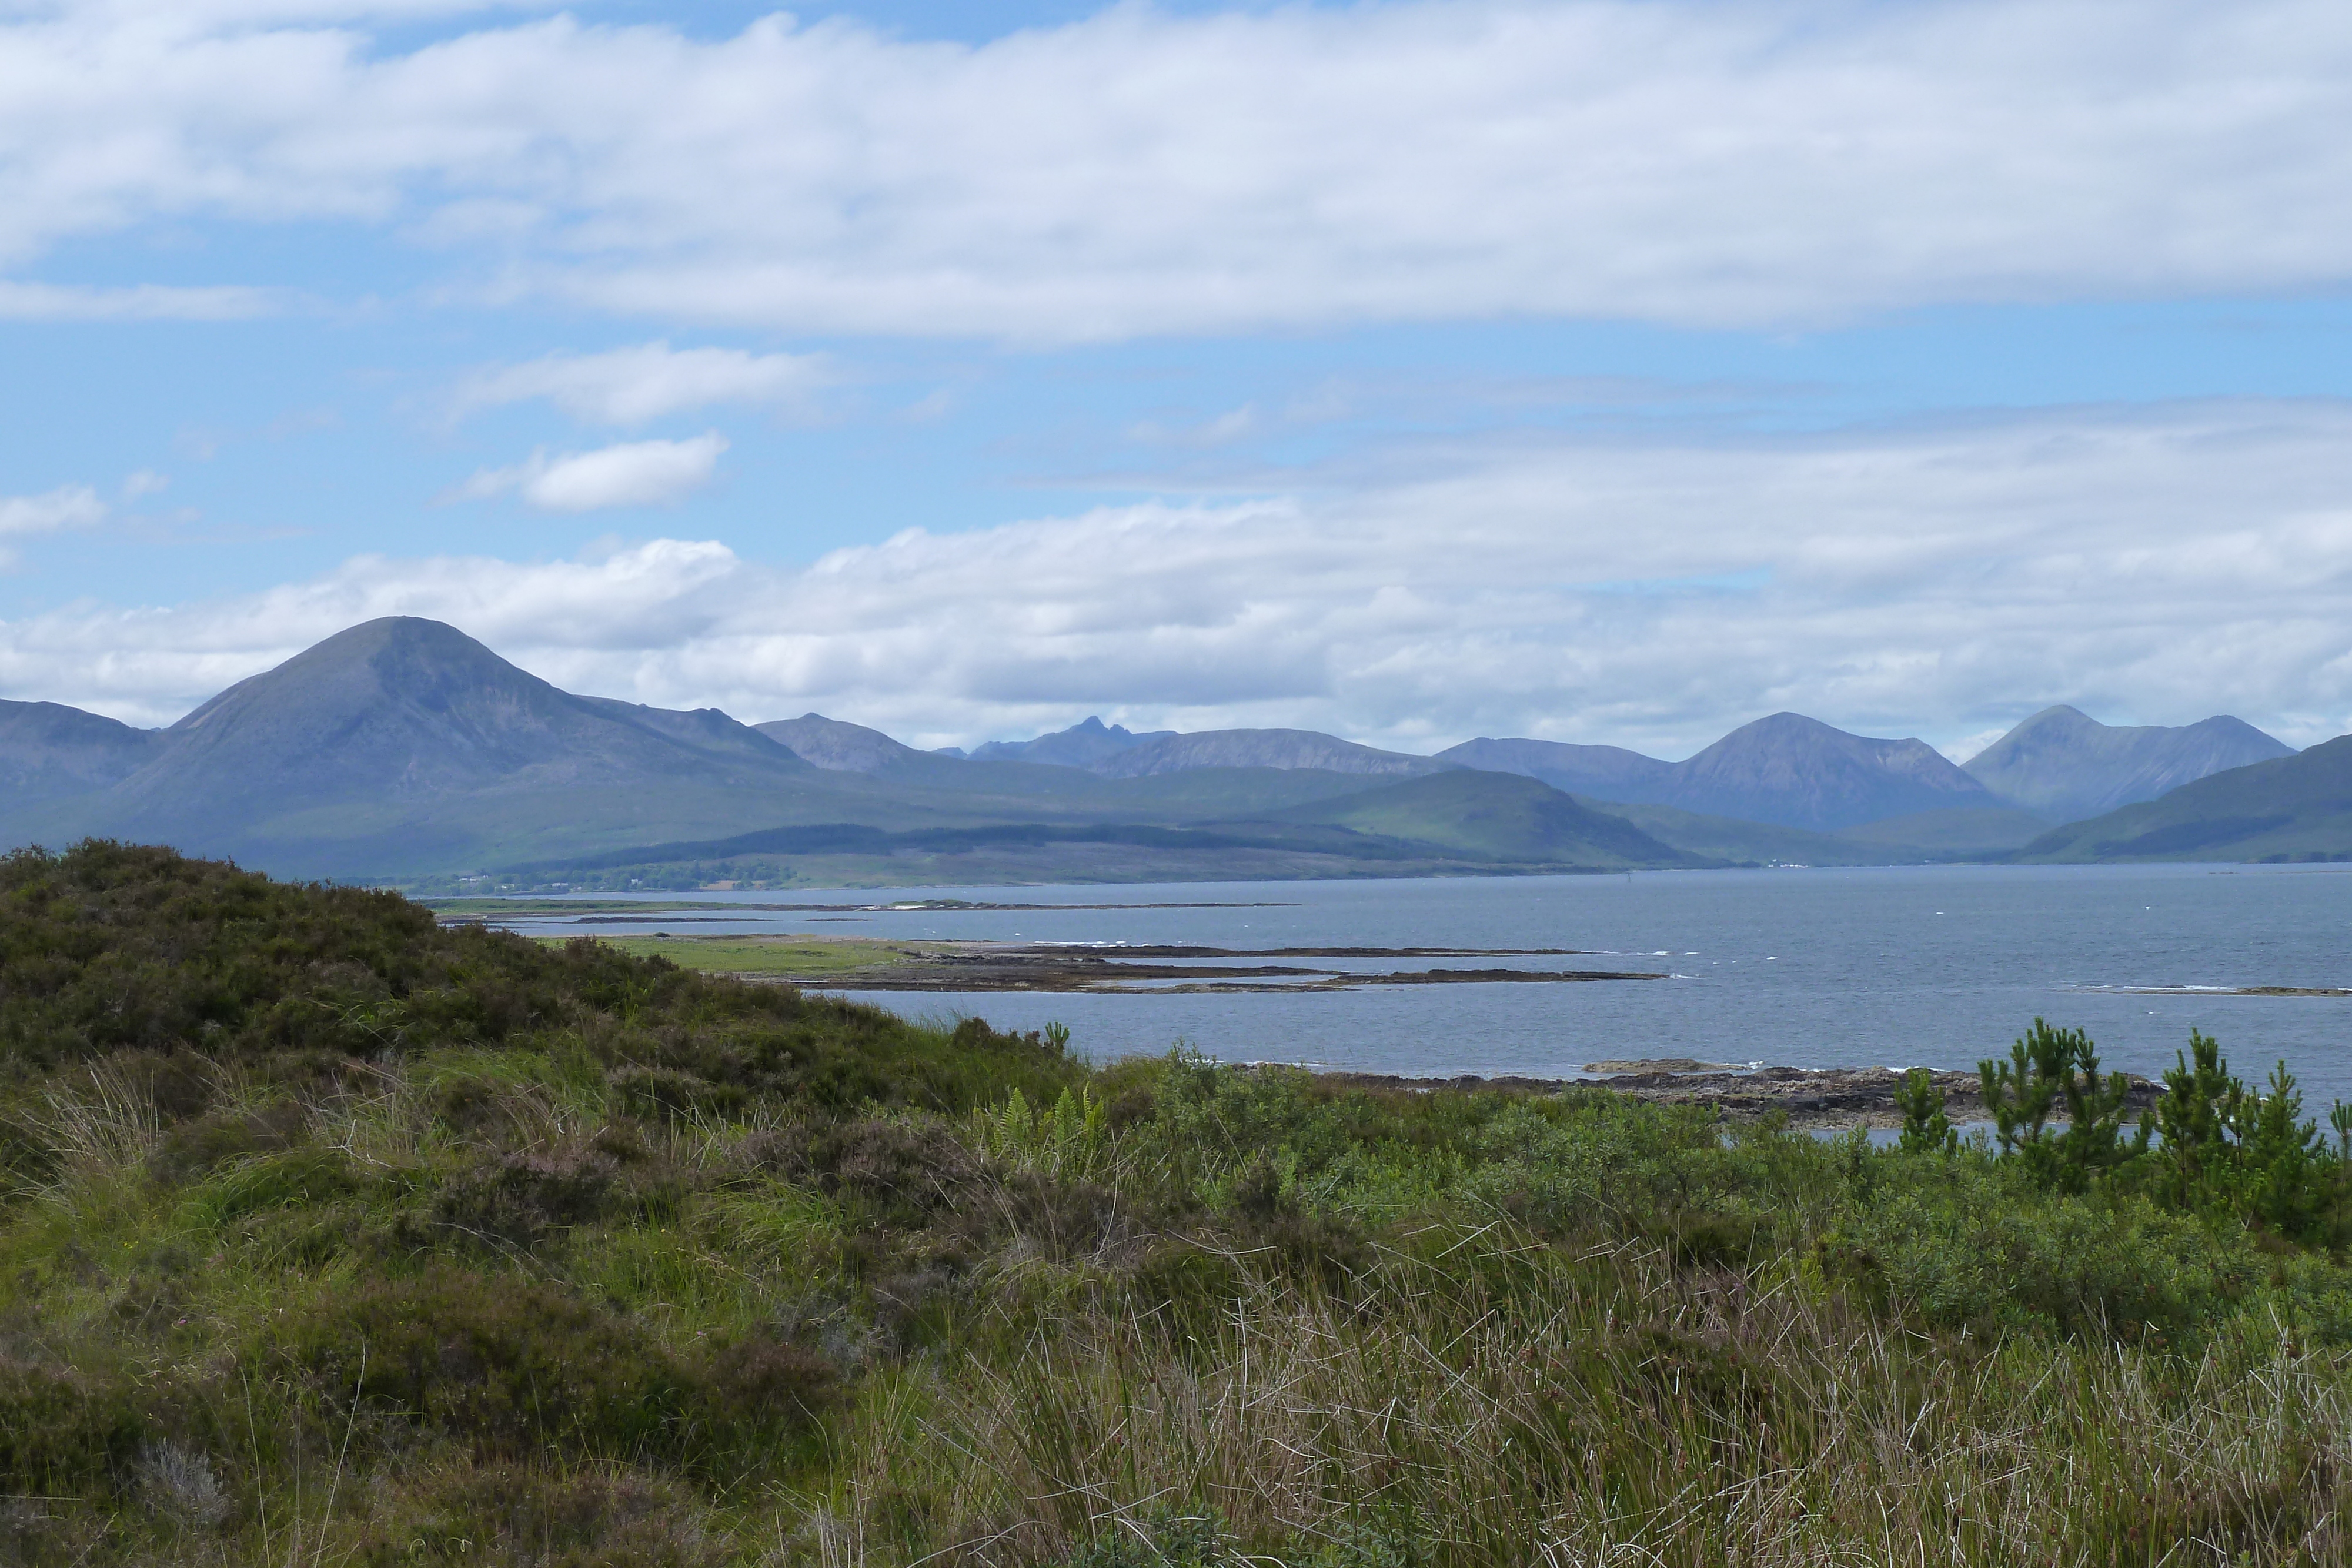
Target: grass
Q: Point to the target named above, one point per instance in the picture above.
(541, 1256)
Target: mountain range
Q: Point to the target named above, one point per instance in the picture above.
(403, 748)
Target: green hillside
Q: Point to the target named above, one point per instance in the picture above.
(2296, 808)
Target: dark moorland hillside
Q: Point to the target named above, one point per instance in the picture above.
(332, 1237)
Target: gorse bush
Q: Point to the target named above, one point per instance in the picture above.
(332, 1236)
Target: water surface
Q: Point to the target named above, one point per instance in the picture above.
(1926, 965)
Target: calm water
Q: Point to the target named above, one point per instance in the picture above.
(1902, 967)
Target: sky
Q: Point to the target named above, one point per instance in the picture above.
(1611, 373)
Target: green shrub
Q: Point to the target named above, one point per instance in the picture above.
(67, 1430)
(518, 1514)
(509, 1365)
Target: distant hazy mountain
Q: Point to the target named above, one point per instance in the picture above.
(1787, 771)
(1279, 748)
(2067, 765)
(1080, 745)
(404, 742)
(1609, 772)
(48, 750)
(2297, 807)
(831, 743)
(404, 707)
(1800, 773)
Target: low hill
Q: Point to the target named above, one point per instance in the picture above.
(1498, 817)
(2068, 766)
(48, 750)
(2292, 808)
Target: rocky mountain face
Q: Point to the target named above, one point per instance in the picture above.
(2066, 765)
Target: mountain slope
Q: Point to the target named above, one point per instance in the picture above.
(48, 750)
(1609, 772)
(1798, 772)
(2066, 765)
(2292, 808)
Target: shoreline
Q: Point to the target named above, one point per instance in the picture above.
(1812, 1098)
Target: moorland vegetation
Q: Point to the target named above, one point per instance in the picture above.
(332, 1236)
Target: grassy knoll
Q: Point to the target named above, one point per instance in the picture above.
(332, 1237)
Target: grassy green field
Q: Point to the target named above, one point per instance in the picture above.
(331, 1237)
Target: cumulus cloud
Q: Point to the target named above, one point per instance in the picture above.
(634, 385)
(1751, 162)
(633, 474)
(2150, 566)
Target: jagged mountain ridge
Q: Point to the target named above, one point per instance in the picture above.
(2068, 766)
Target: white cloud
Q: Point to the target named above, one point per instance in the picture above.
(633, 474)
(67, 506)
(2149, 567)
(1749, 162)
(631, 386)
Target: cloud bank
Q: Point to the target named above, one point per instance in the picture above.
(1745, 163)
(1939, 581)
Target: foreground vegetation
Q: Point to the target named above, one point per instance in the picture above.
(332, 1237)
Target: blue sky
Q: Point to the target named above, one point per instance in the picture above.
(1606, 373)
